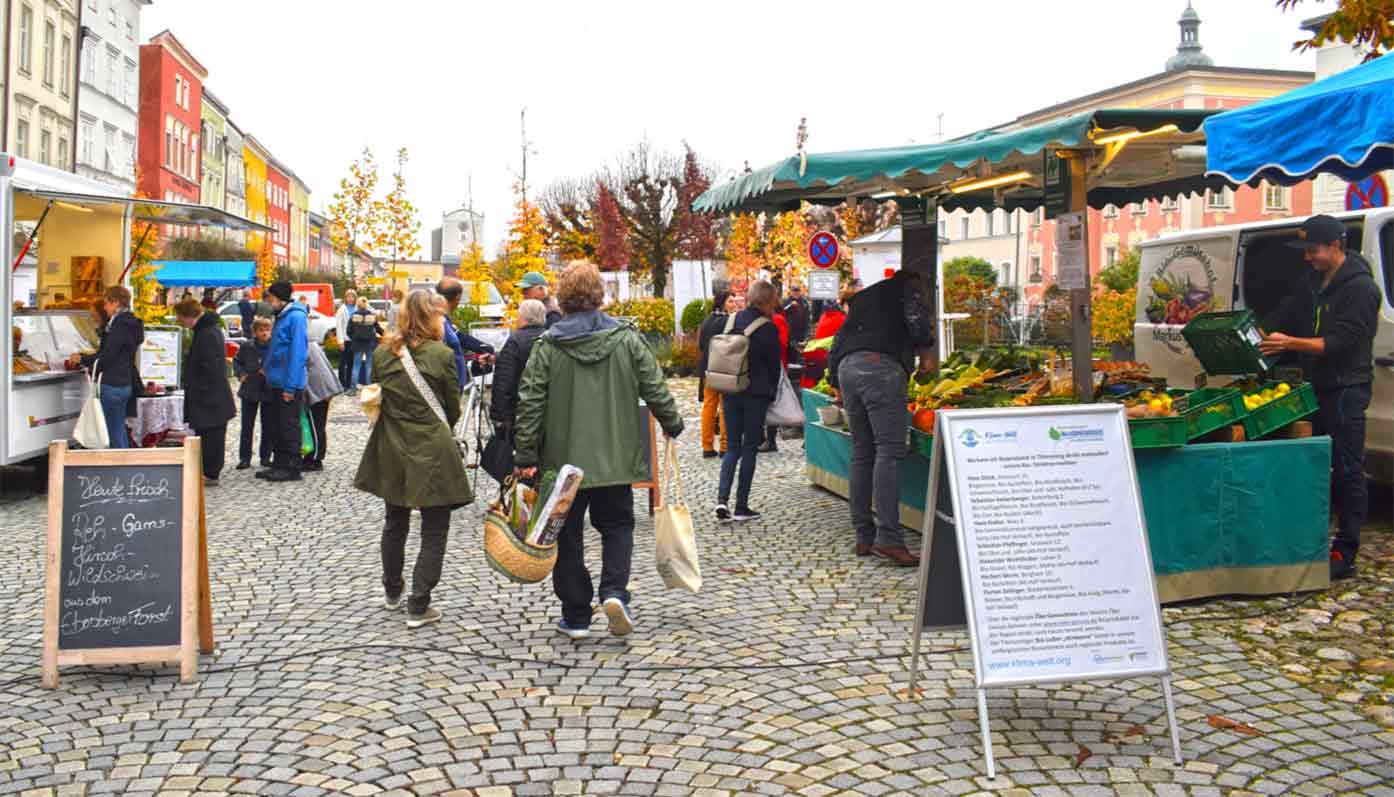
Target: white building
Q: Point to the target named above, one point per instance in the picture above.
(458, 229)
(235, 177)
(108, 94)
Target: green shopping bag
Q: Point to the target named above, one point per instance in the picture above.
(307, 433)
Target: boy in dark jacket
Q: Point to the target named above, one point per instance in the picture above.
(254, 393)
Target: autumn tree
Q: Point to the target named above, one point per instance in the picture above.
(612, 250)
(1367, 24)
(523, 251)
(745, 248)
(785, 250)
(354, 213)
(568, 207)
(476, 272)
(398, 228)
(696, 236)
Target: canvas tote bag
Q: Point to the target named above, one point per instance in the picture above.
(91, 431)
(675, 542)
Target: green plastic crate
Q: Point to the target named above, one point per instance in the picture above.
(1211, 408)
(1281, 411)
(921, 443)
(1169, 432)
(1227, 343)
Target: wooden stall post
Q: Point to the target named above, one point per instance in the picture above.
(1081, 321)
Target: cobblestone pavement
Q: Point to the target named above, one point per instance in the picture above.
(316, 689)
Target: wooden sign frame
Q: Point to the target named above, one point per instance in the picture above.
(654, 482)
(196, 615)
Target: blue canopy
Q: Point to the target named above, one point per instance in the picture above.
(206, 273)
(1341, 125)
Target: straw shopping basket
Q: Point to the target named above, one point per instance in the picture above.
(507, 553)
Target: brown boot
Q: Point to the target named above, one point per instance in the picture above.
(898, 555)
(863, 549)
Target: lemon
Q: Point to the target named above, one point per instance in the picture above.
(1284, 389)
(1155, 404)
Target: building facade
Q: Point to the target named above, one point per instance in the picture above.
(171, 118)
(278, 211)
(459, 228)
(234, 177)
(1022, 245)
(254, 159)
(41, 81)
(108, 91)
(213, 169)
(299, 223)
(319, 253)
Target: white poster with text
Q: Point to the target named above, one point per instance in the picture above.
(1059, 581)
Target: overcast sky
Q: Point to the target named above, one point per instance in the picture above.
(316, 80)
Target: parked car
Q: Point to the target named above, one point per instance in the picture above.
(321, 326)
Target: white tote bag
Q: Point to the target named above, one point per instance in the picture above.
(675, 542)
(90, 431)
(785, 410)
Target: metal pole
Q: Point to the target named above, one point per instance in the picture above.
(1081, 334)
(986, 733)
(1171, 716)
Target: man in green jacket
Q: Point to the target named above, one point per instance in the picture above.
(578, 405)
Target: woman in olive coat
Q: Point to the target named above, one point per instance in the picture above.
(208, 402)
(411, 460)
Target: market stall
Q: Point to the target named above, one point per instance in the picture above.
(76, 235)
(1211, 521)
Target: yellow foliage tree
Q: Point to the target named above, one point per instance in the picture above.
(476, 271)
(354, 214)
(398, 229)
(744, 248)
(523, 252)
(785, 252)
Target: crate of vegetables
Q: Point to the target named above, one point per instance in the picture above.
(1211, 408)
(1276, 405)
(1153, 421)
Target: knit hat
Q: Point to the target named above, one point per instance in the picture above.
(281, 290)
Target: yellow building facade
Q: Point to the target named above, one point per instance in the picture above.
(254, 158)
(299, 224)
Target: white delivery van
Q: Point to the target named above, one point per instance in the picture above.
(1250, 266)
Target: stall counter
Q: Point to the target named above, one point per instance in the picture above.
(1212, 524)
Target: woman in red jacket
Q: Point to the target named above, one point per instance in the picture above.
(816, 362)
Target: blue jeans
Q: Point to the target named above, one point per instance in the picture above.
(362, 366)
(874, 394)
(1341, 414)
(113, 399)
(745, 428)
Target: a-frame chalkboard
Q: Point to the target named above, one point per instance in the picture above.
(126, 568)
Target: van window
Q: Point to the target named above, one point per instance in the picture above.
(1386, 256)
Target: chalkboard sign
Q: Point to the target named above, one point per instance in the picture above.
(126, 566)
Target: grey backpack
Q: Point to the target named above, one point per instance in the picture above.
(728, 357)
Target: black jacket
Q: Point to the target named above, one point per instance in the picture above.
(247, 362)
(116, 359)
(363, 329)
(508, 373)
(765, 362)
(207, 396)
(796, 314)
(891, 317)
(1344, 314)
(710, 328)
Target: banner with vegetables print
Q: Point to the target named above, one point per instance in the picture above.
(1185, 281)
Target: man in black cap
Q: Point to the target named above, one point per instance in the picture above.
(1335, 348)
(284, 366)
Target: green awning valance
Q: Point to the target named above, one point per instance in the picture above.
(1136, 173)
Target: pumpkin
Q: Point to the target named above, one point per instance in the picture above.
(924, 421)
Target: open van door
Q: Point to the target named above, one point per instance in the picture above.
(1379, 420)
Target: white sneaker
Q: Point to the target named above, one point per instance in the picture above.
(722, 513)
(574, 634)
(392, 604)
(431, 615)
(621, 624)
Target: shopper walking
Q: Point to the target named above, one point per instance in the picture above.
(363, 332)
(321, 386)
(254, 394)
(512, 359)
(115, 363)
(723, 304)
(341, 330)
(411, 459)
(870, 363)
(577, 405)
(1330, 324)
(285, 378)
(208, 402)
(745, 411)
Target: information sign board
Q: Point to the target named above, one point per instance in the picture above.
(824, 285)
(1053, 560)
(160, 356)
(1071, 258)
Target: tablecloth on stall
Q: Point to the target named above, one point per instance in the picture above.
(1222, 518)
(156, 416)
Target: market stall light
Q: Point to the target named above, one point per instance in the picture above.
(990, 182)
(1133, 135)
(887, 194)
(70, 206)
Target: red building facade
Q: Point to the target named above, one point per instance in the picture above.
(278, 212)
(171, 108)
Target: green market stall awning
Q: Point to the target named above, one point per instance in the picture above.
(1136, 154)
(206, 273)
